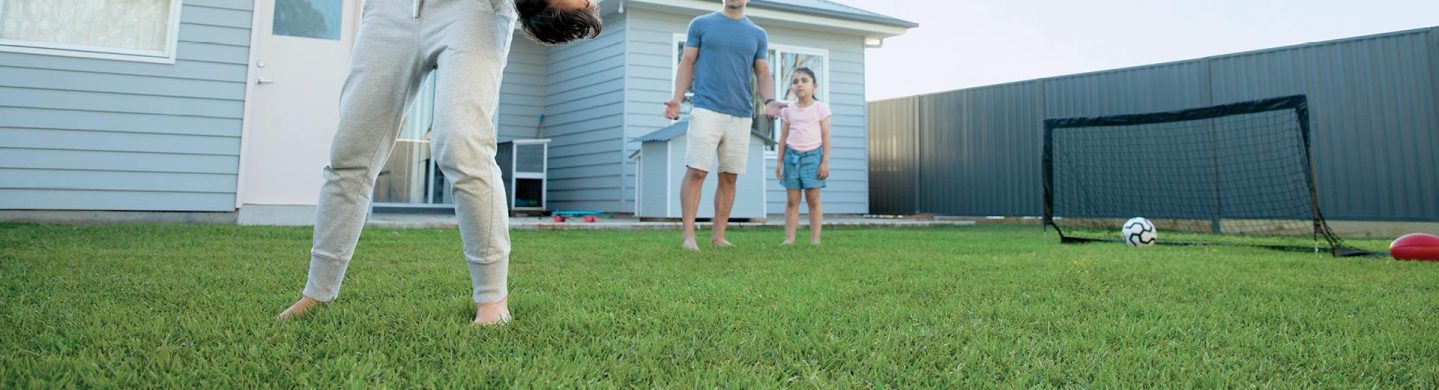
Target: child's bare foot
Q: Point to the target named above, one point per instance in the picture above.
(299, 308)
(690, 245)
(787, 242)
(721, 243)
(493, 313)
(814, 242)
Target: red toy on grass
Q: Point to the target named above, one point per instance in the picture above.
(1415, 246)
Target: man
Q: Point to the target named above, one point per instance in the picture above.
(722, 51)
(467, 43)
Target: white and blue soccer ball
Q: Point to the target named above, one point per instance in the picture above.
(1139, 232)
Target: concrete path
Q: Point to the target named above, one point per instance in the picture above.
(631, 223)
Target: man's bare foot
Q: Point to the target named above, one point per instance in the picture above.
(690, 245)
(721, 243)
(299, 308)
(493, 313)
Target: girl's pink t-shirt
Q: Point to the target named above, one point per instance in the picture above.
(804, 130)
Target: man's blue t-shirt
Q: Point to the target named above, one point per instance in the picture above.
(728, 49)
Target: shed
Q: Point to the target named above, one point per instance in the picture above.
(660, 163)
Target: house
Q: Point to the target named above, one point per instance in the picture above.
(228, 106)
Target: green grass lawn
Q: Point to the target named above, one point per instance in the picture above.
(194, 306)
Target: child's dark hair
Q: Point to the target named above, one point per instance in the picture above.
(551, 26)
(808, 72)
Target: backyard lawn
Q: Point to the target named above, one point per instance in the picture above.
(193, 306)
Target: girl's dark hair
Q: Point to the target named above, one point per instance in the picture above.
(809, 72)
(551, 26)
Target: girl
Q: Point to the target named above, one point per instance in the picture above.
(803, 154)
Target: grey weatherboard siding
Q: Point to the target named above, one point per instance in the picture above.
(81, 133)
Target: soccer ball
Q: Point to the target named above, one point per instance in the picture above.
(1138, 232)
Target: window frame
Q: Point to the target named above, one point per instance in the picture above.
(166, 56)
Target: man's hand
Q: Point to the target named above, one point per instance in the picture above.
(672, 109)
(771, 110)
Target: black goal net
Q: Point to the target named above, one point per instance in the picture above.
(1230, 174)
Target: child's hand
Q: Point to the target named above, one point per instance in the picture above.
(779, 173)
(824, 170)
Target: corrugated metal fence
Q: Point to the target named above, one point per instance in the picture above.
(1374, 107)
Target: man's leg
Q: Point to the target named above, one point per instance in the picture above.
(706, 129)
(384, 74)
(724, 202)
(690, 203)
(733, 154)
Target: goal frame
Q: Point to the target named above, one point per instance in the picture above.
(1299, 104)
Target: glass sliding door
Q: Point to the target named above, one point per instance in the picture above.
(411, 177)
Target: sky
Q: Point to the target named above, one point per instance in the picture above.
(970, 43)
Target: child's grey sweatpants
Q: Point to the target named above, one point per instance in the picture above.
(467, 43)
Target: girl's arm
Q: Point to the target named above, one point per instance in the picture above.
(779, 160)
(824, 162)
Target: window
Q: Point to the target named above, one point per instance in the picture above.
(308, 18)
(783, 60)
(140, 30)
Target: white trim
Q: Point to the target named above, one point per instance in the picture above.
(639, 161)
(827, 24)
(514, 161)
(247, 118)
(625, 128)
(545, 176)
(670, 175)
(764, 188)
(166, 56)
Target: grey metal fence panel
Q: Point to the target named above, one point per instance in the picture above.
(979, 154)
(1373, 118)
(893, 156)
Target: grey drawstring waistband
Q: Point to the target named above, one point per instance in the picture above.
(416, 13)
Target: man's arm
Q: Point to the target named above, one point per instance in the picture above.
(766, 89)
(684, 76)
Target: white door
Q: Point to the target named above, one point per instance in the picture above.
(299, 60)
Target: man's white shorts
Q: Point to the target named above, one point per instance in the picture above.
(712, 134)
